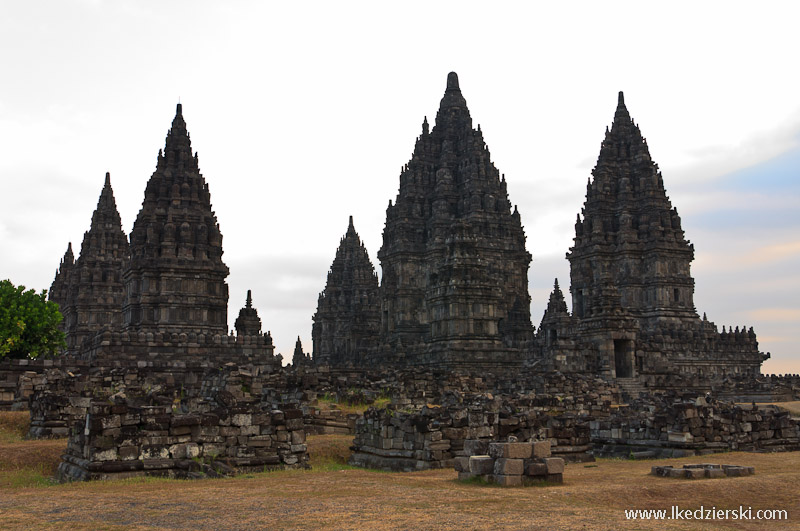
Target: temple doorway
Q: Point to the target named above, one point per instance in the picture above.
(623, 358)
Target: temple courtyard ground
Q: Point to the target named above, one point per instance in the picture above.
(335, 496)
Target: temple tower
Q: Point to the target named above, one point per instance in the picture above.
(248, 323)
(630, 253)
(347, 319)
(455, 269)
(175, 280)
(96, 292)
(633, 316)
(59, 289)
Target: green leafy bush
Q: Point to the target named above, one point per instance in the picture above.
(28, 323)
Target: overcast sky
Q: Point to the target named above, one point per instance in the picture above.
(303, 113)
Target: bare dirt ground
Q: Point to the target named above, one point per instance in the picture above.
(333, 496)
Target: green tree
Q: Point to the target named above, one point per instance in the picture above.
(28, 323)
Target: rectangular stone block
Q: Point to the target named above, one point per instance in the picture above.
(481, 464)
(497, 450)
(694, 473)
(507, 481)
(555, 465)
(537, 469)
(461, 464)
(519, 450)
(554, 478)
(476, 447)
(508, 467)
(294, 424)
(541, 449)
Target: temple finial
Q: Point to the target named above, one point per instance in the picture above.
(452, 81)
(179, 110)
(249, 301)
(425, 127)
(621, 98)
(108, 179)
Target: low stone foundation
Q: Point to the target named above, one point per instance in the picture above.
(120, 440)
(704, 470)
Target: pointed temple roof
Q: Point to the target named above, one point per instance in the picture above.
(105, 235)
(556, 304)
(452, 224)
(248, 323)
(348, 309)
(352, 261)
(177, 231)
(630, 255)
(59, 288)
(628, 187)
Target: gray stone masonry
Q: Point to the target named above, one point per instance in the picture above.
(511, 464)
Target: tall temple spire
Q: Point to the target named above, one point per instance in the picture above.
(91, 295)
(177, 231)
(451, 241)
(627, 208)
(348, 310)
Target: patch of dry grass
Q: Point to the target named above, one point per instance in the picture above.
(14, 425)
(592, 497)
(25, 463)
(335, 496)
(329, 451)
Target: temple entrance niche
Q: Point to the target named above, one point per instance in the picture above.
(623, 358)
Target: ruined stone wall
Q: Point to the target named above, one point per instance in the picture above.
(434, 436)
(668, 426)
(118, 440)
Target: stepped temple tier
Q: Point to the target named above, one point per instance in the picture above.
(634, 317)
(454, 290)
(165, 294)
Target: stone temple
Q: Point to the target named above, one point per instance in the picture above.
(632, 291)
(89, 291)
(165, 294)
(454, 290)
(454, 285)
(347, 320)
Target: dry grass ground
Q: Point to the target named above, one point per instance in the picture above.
(334, 496)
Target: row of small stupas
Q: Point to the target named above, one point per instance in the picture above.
(454, 290)
(165, 292)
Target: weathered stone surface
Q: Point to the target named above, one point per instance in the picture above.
(555, 465)
(507, 481)
(541, 449)
(508, 467)
(481, 464)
